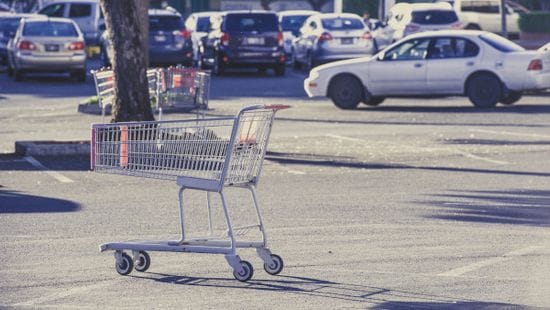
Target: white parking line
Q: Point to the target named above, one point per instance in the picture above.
(56, 175)
(489, 160)
(344, 138)
(508, 133)
(64, 293)
(491, 261)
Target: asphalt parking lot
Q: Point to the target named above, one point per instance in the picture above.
(418, 203)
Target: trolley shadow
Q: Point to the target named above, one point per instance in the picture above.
(378, 297)
(517, 207)
(17, 202)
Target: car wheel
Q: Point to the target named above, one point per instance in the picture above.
(218, 68)
(345, 91)
(511, 98)
(295, 63)
(374, 101)
(484, 90)
(10, 69)
(104, 58)
(280, 69)
(17, 75)
(80, 75)
(310, 62)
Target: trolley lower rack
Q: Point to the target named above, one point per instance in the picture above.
(207, 154)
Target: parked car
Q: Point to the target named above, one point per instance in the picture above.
(198, 25)
(485, 15)
(47, 45)
(244, 39)
(408, 18)
(169, 41)
(8, 25)
(86, 13)
(329, 37)
(483, 66)
(291, 22)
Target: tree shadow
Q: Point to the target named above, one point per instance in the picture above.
(520, 207)
(494, 142)
(17, 202)
(460, 305)
(318, 288)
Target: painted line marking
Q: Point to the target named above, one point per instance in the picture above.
(63, 294)
(56, 175)
(489, 160)
(344, 138)
(491, 261)
(298, 172)
(508, 133)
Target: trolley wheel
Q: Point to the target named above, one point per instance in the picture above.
(247, 272)
(143, 261)
(125, 266)
(276, 267)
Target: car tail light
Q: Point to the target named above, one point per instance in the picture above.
(225, 39)
(325, 37)
(410, 28)
(535, 65)
(76, 46)
(457, 25)
(26, 45)
(280, 40)
(185, 34)
(367, 36)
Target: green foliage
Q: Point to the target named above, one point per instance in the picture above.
(535, 22)
(360, 6)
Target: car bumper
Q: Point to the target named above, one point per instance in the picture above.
(252, 58)
(341, 54)
(50, 63)
(538, 81)
(171, 56)
(314, 85)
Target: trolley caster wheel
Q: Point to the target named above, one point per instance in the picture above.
(125, 265)
(276, 267)
(246, 273)
(142, 261)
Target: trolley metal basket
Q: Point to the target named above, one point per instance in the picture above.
(206, 154)
(184, 88)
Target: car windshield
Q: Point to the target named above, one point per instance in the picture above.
(293, 22)
(49, 29)
(342, 23)
(8, 25)
(434, 17)
(203, 24)
(502, 44)
(252, 22)
(165, 23)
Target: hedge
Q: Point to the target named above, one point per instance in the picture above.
(535, 22)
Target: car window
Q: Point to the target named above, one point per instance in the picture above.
(415, 49)
(434, 17)
(502, 44)
(8, 25)
(342, 23)
(293, 23)
(54, 10)
(80, 10)
(251, 22)
(453, 48)
(165, 23)
(203, 24)
(50, 29)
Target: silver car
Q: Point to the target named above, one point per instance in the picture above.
(47, 45)
(328, 37)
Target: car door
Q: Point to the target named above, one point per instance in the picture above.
(400, 70)
(83, 15)
(54, 10)
(301, 43)
(450, 60)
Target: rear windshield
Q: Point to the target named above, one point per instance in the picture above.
(293, 23)
(203, 24)
(165, 23)
(9, 24)
(251, 22)
(434, 17)
(50, 29)
(342, 23)
(502, 44)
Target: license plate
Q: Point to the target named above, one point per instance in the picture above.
(250, 54)
(254, 41)
(52, 47)
(347, 41)
(160, 38)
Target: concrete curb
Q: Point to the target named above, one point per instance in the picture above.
(52, 148)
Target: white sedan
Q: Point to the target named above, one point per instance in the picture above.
(485, 67)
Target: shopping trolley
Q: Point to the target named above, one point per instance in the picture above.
(206, 154)
(185, 89)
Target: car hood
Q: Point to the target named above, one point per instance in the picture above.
(348, 65)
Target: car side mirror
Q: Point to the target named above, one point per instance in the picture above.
(380, 56)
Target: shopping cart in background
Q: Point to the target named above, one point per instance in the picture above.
(184, 89)
(208, 154)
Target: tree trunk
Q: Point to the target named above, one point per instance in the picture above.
(127, 24)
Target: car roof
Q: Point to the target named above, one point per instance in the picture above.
(19, 15)
(205, 14)
(297, 12)
(451, 33)
(338, 15)
(249, 12)
(422, 6)
(163, 12)
(48, 19)
(69, 1)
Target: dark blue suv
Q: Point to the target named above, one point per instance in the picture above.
(243, 39)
